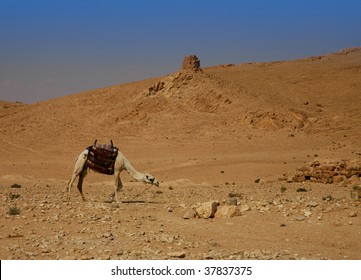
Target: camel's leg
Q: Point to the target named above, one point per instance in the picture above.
(70, 184)
(78, 168)
(118, 185)
(80, 182)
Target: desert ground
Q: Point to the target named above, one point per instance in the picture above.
(254, 160)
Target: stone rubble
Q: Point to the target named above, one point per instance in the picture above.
(329, 171)
(93, 230)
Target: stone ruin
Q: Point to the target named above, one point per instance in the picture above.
(329, 171)
(191, 63)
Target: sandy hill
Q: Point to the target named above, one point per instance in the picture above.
(276, 145)
(196, 109)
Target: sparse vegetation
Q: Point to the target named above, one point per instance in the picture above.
(14, 210)
(283, 189)
(15, 186)
(235, 194)
(13, 196)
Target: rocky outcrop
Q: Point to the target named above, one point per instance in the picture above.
(275, 120)
(329, 171)
(172, 83)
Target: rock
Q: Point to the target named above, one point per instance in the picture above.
(338, 179)
(258, 180)
(312, 204)
(256, 254)
(189, 214)
(231, 201)
(179, 255)
(227, 211)
(327, 197)
(167, 238)
(290, 179)
(45, 250)
(356, 194)
(207, 209)
(208, 256)
(353, 214)
(244, 208)
(355, 179)
(300, 218)
(307, 213)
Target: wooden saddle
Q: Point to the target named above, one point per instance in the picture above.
(101, 157)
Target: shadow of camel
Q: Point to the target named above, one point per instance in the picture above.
(140, 202)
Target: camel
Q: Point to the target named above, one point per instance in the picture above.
(121, 163)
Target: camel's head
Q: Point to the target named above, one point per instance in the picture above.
(150, 179)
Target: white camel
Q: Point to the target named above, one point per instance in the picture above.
(121, 163)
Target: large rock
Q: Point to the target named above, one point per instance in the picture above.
(228, 211)
(206, 209)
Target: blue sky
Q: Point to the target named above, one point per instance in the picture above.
(51, 48)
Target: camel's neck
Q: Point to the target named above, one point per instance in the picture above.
(132, 172)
